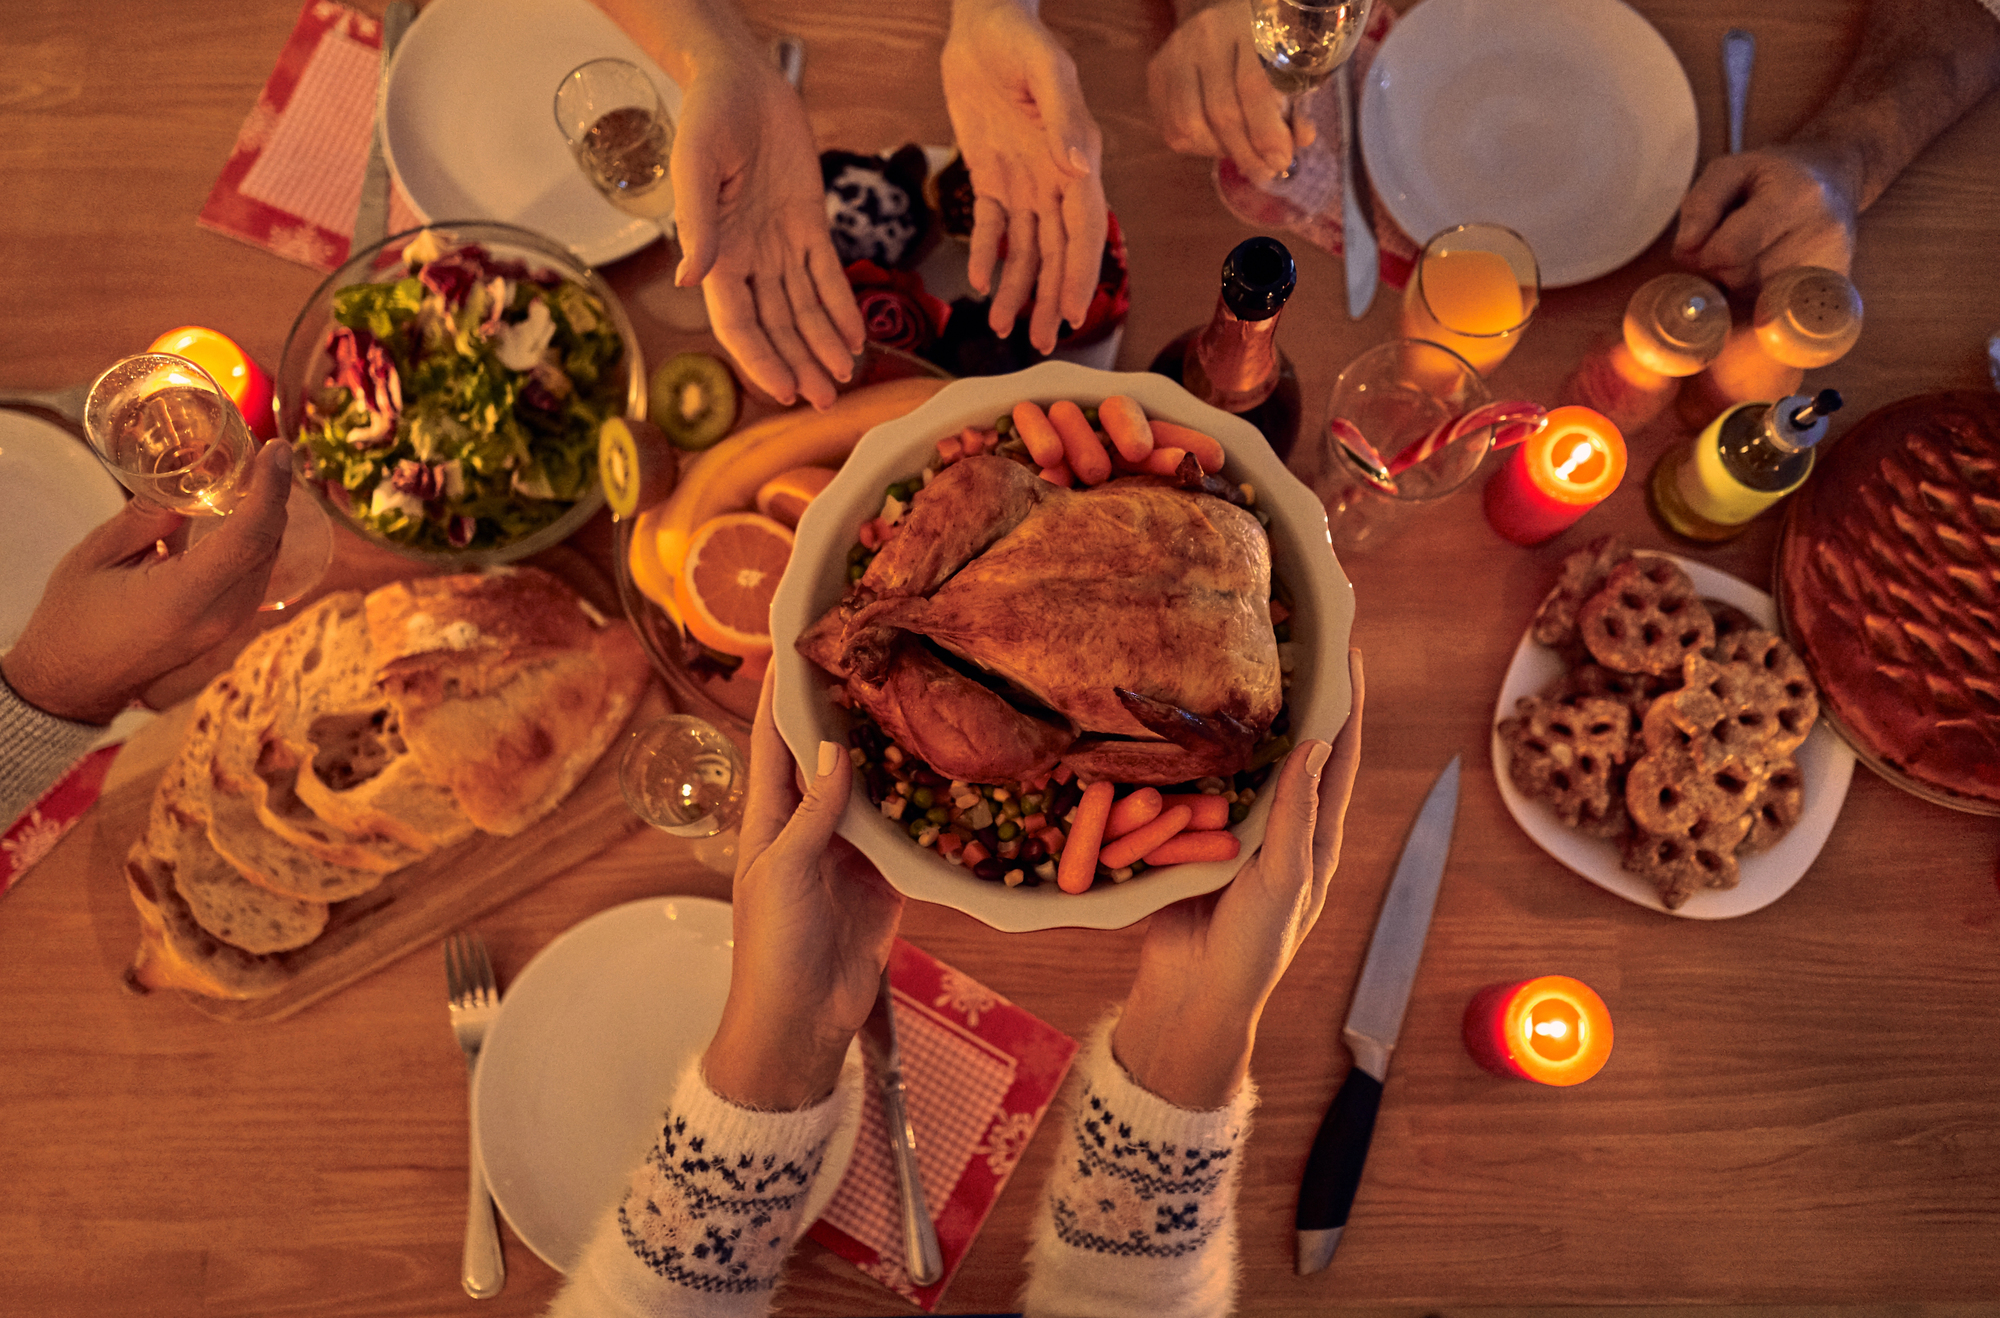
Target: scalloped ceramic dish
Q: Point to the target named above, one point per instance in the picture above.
(1301, 556)
(1825, 764)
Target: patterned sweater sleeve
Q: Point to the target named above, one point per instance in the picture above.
(36, 749)
(1139, 1213)
(707, 1220)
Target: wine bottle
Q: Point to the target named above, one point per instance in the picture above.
(1746, 460)
(1233, 362)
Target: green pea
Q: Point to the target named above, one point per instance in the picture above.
(924, 798)
(1238, 813)
(855, 571)
(1008, 830)
(1005, 425)
(938, 815)
(900, 493)
(1283, 631)
(919, 826)
(1090, 415)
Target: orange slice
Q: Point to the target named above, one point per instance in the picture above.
(786, 495)
(724, 592)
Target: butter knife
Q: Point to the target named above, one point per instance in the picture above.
(878, 1039)
(1357, 237)
(371, 217)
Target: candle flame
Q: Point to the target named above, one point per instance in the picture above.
(1577, 457)
(1551, 1029)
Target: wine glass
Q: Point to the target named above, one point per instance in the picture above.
(684, 776)
(171, 436)
(1300, 43)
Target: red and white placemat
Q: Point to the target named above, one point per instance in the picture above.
(981, 1073)
(293, 180)
(36, 833)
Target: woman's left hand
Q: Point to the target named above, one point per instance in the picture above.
(813, 924)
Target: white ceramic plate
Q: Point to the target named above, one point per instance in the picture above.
(1569, 121)
(469, 125)
(1825, 764)
(1301, 556)
(579, 1065)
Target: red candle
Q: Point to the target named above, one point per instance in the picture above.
(1553, 1030)
(230, 367)
(1560, 473)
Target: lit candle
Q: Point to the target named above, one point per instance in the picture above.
(1569, 467)
(230, 367)
(1553, 1030)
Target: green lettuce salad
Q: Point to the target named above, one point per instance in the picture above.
(460, 404)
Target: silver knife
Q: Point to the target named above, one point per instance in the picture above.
(371, 217)
(1739, 50)
(1357, 238)
(878, 1039)
(1374, 1019)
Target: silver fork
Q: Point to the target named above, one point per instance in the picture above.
(468, 976)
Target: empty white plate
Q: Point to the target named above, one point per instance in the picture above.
(1569, 121)
(469, 127)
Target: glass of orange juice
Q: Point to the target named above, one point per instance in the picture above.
(1474, 289)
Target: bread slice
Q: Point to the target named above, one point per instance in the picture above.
(221, 900)
(360, 776)
(511, 752)
(176, 952)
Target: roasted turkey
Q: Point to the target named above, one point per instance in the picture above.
(1123, 630)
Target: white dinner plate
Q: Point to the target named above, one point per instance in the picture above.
(579, 1064)
(1569, 121)
(1825, 765)
(469, 125)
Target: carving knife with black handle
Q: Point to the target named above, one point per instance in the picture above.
(1374, 1019)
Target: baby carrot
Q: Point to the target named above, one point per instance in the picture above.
(1059, 475)
(1207, 449)
(1142, 807)
(1087, 457)
(1079, 859)
(1045, 446)
(1164, 461)
(1150, 838)
(1209, 811)
(1184, 847)
(1125, 422)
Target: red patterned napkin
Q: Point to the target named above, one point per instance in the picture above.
(36, 833)
(981, 1073)
(1309, 203)
(294, 178)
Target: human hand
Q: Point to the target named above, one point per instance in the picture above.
(752, 217)
(813, 923)
(1035, 157)
(1211, 98)
(119, 622)
(1208, 964)
(1753, 214)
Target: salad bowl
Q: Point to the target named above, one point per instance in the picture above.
(451, 416)
(807, 713)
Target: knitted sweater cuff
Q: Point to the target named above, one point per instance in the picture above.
(1140, 1208)
(706, 1222)
(36, 749)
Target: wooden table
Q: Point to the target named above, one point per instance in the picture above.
(1802, 1105)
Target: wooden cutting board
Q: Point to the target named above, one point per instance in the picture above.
(413, 907)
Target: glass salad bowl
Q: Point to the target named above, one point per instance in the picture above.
(451, 414)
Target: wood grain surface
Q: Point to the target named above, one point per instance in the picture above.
(1801, 1107)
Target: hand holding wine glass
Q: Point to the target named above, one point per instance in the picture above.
(171, 435)
(1301, 43)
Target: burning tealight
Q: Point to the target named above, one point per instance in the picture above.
(1553, 1030)
(230, 367)
(1556, 476)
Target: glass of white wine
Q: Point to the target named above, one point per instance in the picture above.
(683, 775)
(622, 137)
(171, 435)
(1301, 43)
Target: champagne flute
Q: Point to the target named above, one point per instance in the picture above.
(170, 435)
(1301, 42)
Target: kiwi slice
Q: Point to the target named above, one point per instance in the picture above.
(636, 464)
(693, 398)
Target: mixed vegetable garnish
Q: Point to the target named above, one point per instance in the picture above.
(461, 402)
(1019, 833)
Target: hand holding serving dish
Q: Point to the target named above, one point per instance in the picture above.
(1300, 561)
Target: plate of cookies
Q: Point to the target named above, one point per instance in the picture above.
(1655, 734)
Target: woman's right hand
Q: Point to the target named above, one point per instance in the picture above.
(1211, 98)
